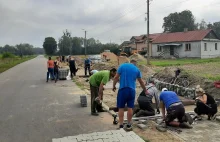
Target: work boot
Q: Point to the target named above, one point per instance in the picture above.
(185, 125)
(129, 127)
(187, 118)
(94, 114)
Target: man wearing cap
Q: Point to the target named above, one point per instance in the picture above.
(174, 108)
(145, 101)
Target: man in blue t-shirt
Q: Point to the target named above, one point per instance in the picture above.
(87, 65)
(128, 74)
(175, 109)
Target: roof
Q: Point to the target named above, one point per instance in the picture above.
(182, 36)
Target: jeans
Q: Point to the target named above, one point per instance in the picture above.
(56, 74)
(51, 73)
(87, 67)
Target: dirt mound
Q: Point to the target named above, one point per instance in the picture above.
(123, 59)
(137, 57)
(146, 71)
(109, 55)
(166, 73)
(104, 66)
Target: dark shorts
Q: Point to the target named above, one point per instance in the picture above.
(126, 96)
(174, 112)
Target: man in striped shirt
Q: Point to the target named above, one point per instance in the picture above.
(145, 101)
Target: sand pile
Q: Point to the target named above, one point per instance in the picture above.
(137, 57)
(104, 66)
(146, 71)
(109, 55)
(123, 59)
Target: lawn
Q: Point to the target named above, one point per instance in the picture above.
(179, 62)
(8, 63)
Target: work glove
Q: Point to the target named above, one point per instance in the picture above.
(158, 111)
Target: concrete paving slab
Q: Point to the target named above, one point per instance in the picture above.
(107, 136)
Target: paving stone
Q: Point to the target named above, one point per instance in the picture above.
(142, 126)
(142, 121)
(56, 140)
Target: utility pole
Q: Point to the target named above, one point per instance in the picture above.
(148, 33)
(85, 43)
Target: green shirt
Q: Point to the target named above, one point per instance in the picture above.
(99, 77)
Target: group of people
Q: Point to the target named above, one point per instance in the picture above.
(171, 106)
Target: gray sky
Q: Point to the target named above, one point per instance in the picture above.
(30, 21)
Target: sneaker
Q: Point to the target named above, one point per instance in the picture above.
(129, 127)
(94, 114)
(185, 125)
(189, 118)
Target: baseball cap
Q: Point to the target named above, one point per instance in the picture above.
(164, 89)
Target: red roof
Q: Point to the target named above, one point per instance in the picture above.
(182, 36)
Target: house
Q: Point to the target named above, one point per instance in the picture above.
(199, 44)
(141, 42)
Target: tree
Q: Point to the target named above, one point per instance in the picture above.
(177, 22)
(38, 50)
(25, 49)
(216, 27)
(50, 45)
(65, 43)
(77, 46)
(203, 25)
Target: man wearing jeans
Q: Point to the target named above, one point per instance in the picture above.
(128, 74)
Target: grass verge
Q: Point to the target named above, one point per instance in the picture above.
(8, 63)
(179, 62)
(81, 86)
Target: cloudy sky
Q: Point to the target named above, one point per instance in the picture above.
(30, 21)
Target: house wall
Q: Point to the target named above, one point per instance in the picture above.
(194, 53)
(195, 50)
(211, 52)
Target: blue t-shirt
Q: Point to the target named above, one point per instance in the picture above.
(128, 74)
(168, 98)
(87, 61)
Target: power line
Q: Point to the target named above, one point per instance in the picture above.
(121, 16)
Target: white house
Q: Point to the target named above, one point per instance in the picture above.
(199, 44)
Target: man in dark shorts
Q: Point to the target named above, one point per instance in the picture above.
(128, 74)
(175, 109)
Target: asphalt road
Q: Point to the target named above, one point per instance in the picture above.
(32, 110)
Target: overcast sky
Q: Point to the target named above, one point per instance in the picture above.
(30, 21)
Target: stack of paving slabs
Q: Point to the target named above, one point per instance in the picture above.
(83, 100)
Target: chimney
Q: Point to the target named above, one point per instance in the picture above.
(185, 29)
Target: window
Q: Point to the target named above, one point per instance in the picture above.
(216, 46)
(205, 46)
(159, 48)
(188, 47)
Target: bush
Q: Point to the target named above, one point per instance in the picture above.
(7, 55)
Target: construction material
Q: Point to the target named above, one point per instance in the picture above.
(83, 100)
(145, 118)
(141, 126)
(142, 121)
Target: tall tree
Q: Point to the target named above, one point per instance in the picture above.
(50, 45)
(203, 25)
(65, 43)
(216, 27)
(177, 22)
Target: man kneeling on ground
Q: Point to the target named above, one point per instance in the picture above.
(97, 82)
(145, 101)
(175, 109)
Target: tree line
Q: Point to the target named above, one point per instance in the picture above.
(68, 45)
(21, 49)
(178, 21)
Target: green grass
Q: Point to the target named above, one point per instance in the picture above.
(8, 63)
(179, 62)
(212, 77)
(81, 86)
